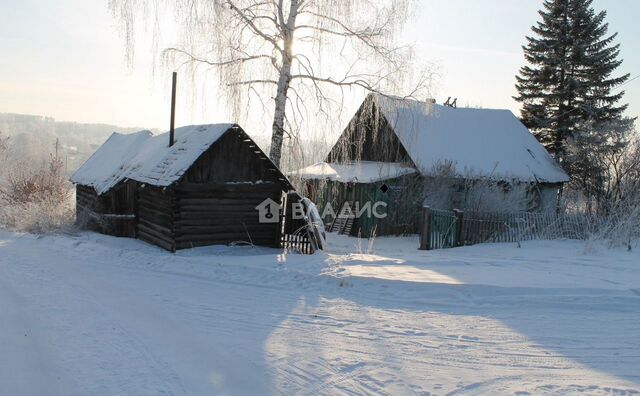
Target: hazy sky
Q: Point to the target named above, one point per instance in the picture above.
(65, 59)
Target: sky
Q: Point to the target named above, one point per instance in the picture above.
(65, 59)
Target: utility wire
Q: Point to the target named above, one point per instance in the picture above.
(628, 81)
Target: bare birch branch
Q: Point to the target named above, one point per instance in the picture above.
(302, 57)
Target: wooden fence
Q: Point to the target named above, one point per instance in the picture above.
(299, 234)
(444, 229)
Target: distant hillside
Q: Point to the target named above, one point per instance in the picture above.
(35, 137)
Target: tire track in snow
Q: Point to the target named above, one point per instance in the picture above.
(364, 339)
(100, 337)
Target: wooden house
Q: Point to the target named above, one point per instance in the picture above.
(408, 153)
(203, 188)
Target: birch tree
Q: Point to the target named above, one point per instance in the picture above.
(286, 53)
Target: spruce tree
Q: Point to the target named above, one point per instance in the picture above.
(568, 82)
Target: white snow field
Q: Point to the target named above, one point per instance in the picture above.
(88, 314)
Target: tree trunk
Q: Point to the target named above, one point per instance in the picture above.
(277, 129)
(284, 81)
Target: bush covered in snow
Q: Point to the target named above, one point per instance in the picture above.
(35, 195)
(619, 225)
(609, 191)
(444, 188)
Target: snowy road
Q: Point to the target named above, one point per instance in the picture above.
(95, 315)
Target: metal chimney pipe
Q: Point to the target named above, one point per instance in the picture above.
(173, 110)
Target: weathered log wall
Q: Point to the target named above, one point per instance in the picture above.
(87, 205)
(223, 213)
(112, 213)
(156, 212)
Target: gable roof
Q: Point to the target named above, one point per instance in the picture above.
(478, 142)
(147, 158)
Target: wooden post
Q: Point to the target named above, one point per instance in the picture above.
(458, 231)
(283, 202)
(425, 230)
(173, 110)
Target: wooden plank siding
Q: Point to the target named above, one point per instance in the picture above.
(121, 202)
(369, 137)
(234, 158)
(403, 199)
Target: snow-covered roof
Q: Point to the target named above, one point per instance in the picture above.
(147, 158)
(478, 142)
(360, 172)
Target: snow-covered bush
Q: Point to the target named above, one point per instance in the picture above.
(613, 202)
(620, 224)
(26, 184)
(35, 197)
(602, 160)
(483, 195)
(41, 216)
(445, 189)
(439, 185)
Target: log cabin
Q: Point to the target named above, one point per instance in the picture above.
(202, 188)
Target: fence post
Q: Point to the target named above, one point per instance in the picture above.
(458, 232)
(425, 230)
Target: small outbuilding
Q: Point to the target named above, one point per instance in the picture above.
(203, 188)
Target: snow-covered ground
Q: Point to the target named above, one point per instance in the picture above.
(90, 315)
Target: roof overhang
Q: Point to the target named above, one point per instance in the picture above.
(357, 172)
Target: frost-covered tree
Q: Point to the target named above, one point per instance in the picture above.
(570, 76)
(285, 53)
(4, 143)
(4, 148)
(35, 195)
(598, 159)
